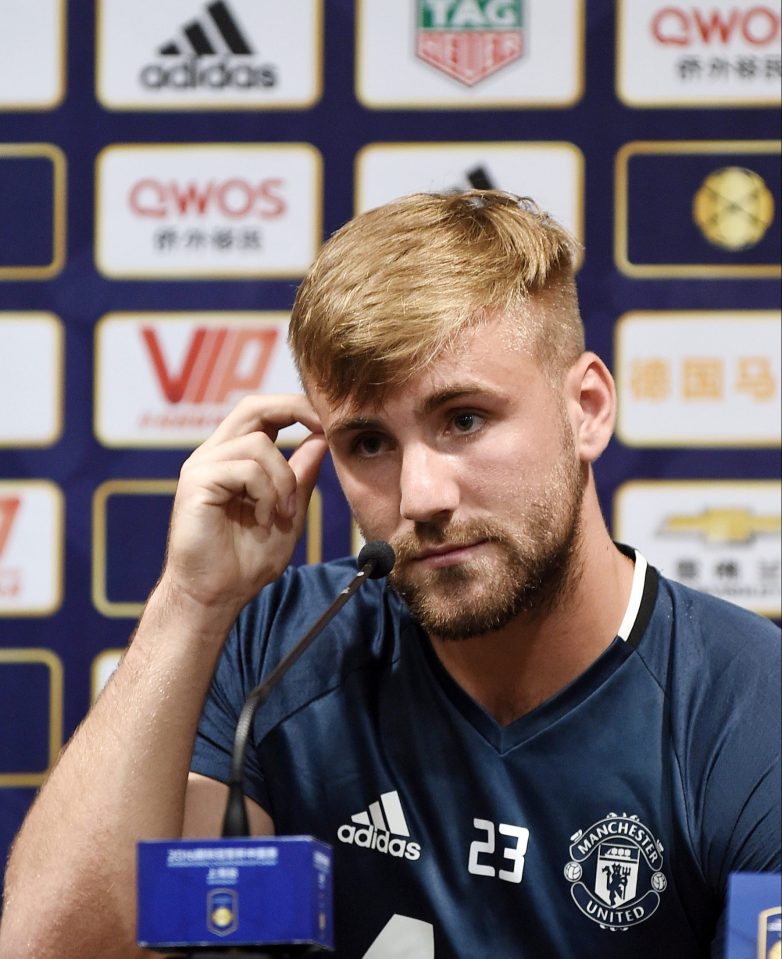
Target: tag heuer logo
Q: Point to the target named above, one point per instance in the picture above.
(469, 39)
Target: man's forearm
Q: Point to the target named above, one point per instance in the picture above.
(70, 886)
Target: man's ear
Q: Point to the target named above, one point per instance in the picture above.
(590, 395)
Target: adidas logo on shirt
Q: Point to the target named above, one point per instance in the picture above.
(382, 827)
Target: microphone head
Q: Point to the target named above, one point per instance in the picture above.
(376, 559)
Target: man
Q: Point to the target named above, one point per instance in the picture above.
(530, 744)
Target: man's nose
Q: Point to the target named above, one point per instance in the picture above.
(428, 484)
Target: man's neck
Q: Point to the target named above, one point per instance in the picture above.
(512, 670)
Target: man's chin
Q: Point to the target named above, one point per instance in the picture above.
(453, 604)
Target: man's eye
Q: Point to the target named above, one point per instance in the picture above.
(368, 445)
(467, 422)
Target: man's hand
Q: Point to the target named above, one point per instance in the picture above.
(240, 507)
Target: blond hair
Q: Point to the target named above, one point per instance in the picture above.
(394, 287)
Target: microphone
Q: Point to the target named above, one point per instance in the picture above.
(375, 560)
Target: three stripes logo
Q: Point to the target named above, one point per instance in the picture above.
(198, 42)
(212, 51)
(381, 827)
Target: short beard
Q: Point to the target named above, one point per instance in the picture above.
(536, 570)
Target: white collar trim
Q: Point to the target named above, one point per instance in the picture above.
(636, 593)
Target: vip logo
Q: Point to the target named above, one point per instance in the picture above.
(218, 363)
(469, 39)
(382, 828)
(622, 884)
(10, 575)
(9, 505)
(219, 37)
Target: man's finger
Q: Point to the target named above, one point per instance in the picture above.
(268, 414)
(305, 462)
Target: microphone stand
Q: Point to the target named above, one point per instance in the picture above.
(375, 560)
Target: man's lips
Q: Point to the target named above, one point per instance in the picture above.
(448, 554)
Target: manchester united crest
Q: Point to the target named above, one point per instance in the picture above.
(469, 39)
(615, 871)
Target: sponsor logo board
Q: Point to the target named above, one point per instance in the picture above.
(722, 537)
(32, 684)
(103, 667)
(699, 378)
(31, 364)
(227, 54)
(207, 210)
(166, 379)
(32, 67)
(424, 54)
(698, 209)
(551, 173)
(130, 518)
(720, 53)
(32, 211)
(31, 546)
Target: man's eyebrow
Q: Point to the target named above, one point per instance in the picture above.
(349, 424)
(450, 393)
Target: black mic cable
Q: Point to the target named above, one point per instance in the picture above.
(375, 560)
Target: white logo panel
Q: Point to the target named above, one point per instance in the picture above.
(31, 543)
(722, 537)
(699, 379)
(207, 210)
(169, 379)
(32, 67)
(103, 667)
(190, 54)
(30, 379)
(551, 173)
(724, 52)
(430, 54)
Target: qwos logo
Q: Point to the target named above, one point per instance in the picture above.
(166, 379)
(722, 52)
(756, 26)
(232, 198)
(208, 210)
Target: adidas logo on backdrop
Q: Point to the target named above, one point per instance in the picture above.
(382, 828)
(219, 37)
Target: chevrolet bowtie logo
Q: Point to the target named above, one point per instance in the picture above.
(724, 525)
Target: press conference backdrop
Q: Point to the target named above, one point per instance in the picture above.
(168, 169)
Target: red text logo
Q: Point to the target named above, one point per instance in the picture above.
(234, 198)
(218, 362)
(685, 26)
(8, 509)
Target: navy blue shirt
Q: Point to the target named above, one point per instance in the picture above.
(604, 823)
